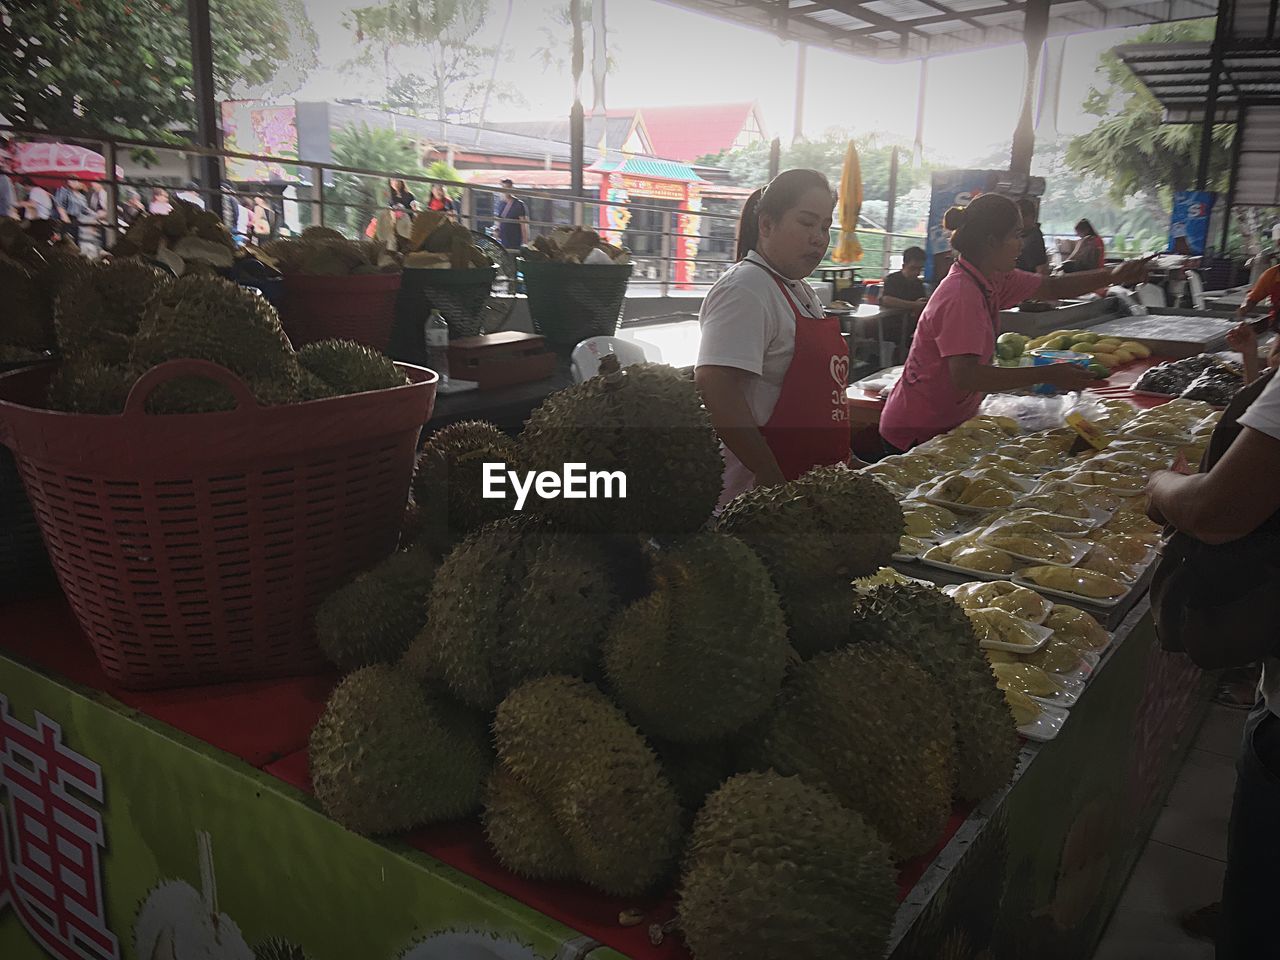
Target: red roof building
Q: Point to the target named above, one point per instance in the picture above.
(686, 133)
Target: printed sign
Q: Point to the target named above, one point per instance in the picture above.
(1190, 221)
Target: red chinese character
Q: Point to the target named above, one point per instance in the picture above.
(50, 838)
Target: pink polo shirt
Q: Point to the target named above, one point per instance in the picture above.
(962, 317)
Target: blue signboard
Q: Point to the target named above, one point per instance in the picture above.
(1190, 221)
(951, 188)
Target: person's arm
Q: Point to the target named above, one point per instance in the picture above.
(1076, 284)
(1242, 339)
(1231, 500)
(969, 375)
(897, 303)
(1261, 290)
(723, 391)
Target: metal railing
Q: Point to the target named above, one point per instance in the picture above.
(323, 196)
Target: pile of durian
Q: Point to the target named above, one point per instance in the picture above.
(324, 252)
(30, 275)
(636, 697)
(574, 245)
(430, 240)
(187, 239)
(114, 321)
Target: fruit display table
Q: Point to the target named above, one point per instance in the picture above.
(155, 824)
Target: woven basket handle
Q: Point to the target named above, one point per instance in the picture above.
(162, 373)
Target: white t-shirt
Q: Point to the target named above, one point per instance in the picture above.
(748, 324)
(42, 201)
(1263, 415)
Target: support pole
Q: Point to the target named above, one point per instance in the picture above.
(1035, 27)
(576, 131)
(917, 150)
(199, 30)
(775, 157)
(1237, 144)
(1221, 31)
(802, 53)
(889, 212)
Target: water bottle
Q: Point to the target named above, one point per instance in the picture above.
(437, 336)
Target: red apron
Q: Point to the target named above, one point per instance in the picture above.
(809, 426)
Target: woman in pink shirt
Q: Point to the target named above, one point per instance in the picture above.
(949, 369)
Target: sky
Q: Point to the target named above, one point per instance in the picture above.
(668, 56)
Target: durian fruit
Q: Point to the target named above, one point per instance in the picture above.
(1003, 595)
(345, 366)
(208, 318)
(1023, 709)
(1033, 522)
(513, 602)
(522, 830)
(986, 559)
(1128, 549)
(819, 619)
(870, 727)
(1077, 628)
(27, 320)
(928, 520)
(999, 626)
(933, 631)
(87, 385)
(388, 755)
(449, 481)
(832, 524)
(694, 770)
(878, 579)
(101, 307)
(603, 785)
(374, 617)
(1085, 583)
(1056, 656)
(777, 869)
(1057, 502)
(1042, 545)
(277, 948)
(645, 421)
(1103, 559)
(1026, 678)
(704, 653)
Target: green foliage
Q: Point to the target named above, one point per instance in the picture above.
(370, 149)
(1130, 148)
(442, 171)
(556, 50)
(60, 72)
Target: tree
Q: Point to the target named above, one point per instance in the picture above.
(440, 35)
(556, 50)
(357, 197)
(1130, 148)
(123, 67)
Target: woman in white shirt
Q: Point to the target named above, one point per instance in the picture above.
(772, 365)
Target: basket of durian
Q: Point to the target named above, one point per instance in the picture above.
(201, 485)
(576, 283)
(445, 270)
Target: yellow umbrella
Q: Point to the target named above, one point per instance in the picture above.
(849, 250)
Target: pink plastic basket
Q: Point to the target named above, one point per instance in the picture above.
(195, 548)
(359, 307)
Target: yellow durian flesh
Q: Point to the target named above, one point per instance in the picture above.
(1085, 583)
(1024, 709)
(985, 559)
(1003, 595)
(1047, 547)
(1025, 678)
(999, 626)
(1073, 626)
(1056, 656)
(1102, 559)
(1028, 521)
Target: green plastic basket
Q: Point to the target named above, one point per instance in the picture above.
(569, 302)
(459, 295)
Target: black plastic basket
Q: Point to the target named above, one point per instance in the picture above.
(459, 295)
(569, 302)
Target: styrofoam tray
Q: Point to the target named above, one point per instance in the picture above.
(1098, 513)
(919, 494)
(1040, 631)
(1165, 441)
(967, 571)
(1046, 726)
(1090, 525)
(1078, 553)
(1077, 597)
(951, 590)
(1071, 690)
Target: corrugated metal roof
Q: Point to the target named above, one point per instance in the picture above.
(649, 167)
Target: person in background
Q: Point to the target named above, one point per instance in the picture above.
(99, 206)
(1237, 497)
(1089, 253)
(8, 189)
(262, 221)
(38, 203)
(1267, 288)
(159, 201)
(772, 366)
(512, 218)
(949, 368)
(441, 202)
(73, 200)
(903, 290)
(399, 196)
(131, 207)
(1033, 258)
(191, 195)
(244, 221)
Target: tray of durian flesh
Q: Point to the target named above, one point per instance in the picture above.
(964, 554)
(1035, 720)
(1074, 583)
(1174, 422)
(1037, 684)
(1075, 500)
(1004, 595)
(969, 491)
(998, 629)
(1125, 483)
(926, 524)
(1026, 540)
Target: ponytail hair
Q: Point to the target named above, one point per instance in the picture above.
(986, 221)
(1087, 227)
(782, 194)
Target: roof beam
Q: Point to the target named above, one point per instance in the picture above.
(854, 8)
(1007, 7)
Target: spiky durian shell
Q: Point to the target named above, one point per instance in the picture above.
(26, 320)
(387, 754)
(819, 619)
(694, 770)
(646, 421)
(513, 602)
(704, 654)
(522, 831)
(777, 869)
(831, 524)
(345, 366)
(86, 385)
(375, 617)
(277, 948)
(448, 482)
(208, 318)
(602, 783)
(929, 627)
(99, 308)
(870, 727)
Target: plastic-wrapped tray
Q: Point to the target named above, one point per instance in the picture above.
(1066, 595)
(952, 589)
(1025, 484)
(1071, 690)
(967, 571)
(1079, 550)
(1041, 632)
(1046, 726)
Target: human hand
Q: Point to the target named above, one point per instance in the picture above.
(1242, 339)
(1153, 512)
(1067, 376)
(1131, 272)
